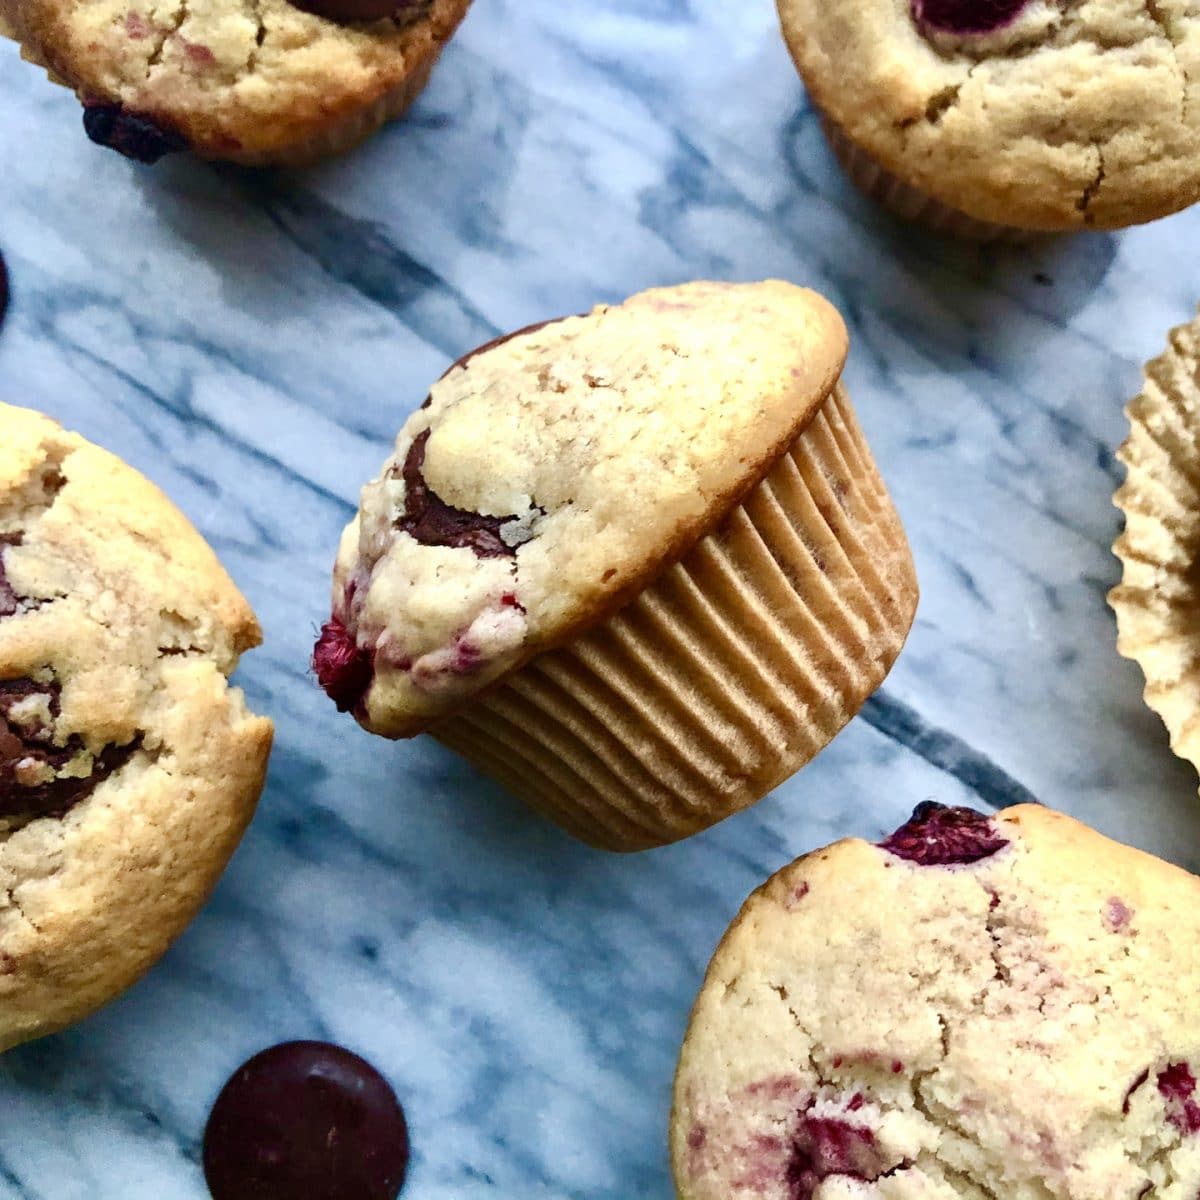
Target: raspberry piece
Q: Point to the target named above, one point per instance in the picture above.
(967, 16)
(937, 836)
(130, 134)
(342, 668)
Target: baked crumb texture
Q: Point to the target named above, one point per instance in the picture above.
(1049, 115)
(977, 1009)
(259, 82)
(128, 767)
(1158, 599)
(638, 565)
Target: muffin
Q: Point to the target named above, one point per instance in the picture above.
(638, 565)
(973, 1008)
(128, 767)
(272, 82)
(994, 118)
(1157, 602)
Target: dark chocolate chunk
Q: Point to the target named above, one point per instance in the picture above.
(128, 133)
(433, 522)
(32, 762)
(403, 11)
(967, 16)
(306, 1121)
(341, 666)
(937, 836)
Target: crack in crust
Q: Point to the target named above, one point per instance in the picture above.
(1092, 190)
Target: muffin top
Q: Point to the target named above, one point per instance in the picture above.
(225, 78)
(128, 766)
(976, 1007)
(1044, 114)
(551, 474)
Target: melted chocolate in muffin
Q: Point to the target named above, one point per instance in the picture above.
(40, 777)
(428, 518)
(306, 1121)
(433, 522)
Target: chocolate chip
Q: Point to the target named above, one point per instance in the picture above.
(128, 133)
(967, 16)
(937, 836)
(306, 1121)
(432, 522)
(403, 11)
(32, 762)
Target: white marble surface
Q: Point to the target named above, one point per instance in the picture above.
(252, 343)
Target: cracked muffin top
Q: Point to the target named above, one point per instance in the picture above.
(550, 475)
(128, 766)
(245, 80)
(977, 1007)
(1041, 114)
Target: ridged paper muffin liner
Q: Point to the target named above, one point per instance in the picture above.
(1158, 600)
(904, 200)
(729, 672)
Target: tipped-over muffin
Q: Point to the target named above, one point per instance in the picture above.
(128, 766)
(265, 83)
(637, 564)
(976, 1007)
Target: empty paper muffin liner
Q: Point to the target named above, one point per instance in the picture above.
(725, 675)
(1158, 601)
(900, 198)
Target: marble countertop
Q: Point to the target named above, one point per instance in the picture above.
(252, 342)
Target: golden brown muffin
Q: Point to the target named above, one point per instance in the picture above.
(259, 82)
(974, 1008)
(638, 565)
(128, 766)
(983, 117)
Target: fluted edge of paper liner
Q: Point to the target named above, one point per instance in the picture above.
(1157, 602)
(902, 199)
(728, 673)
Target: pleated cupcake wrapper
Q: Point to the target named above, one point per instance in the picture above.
(728, 673)
(879, 184)
(1157, 602)
(343, 135)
